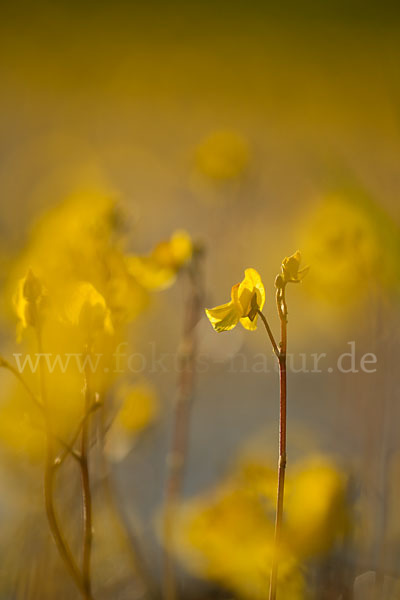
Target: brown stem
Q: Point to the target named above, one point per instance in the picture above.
(282, 311)
(59, 539)
(181, 419)
(69, 447)
(86, 492)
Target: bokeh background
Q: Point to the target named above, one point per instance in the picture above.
(259, 128)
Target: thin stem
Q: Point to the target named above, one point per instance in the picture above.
(6, 365)
(49, 474)
(86, 491)
(282, 311)
(270, 334)
(181, 421)
(69, 447)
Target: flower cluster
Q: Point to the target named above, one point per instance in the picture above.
(78, 286)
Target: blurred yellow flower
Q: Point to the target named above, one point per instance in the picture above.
(353, 246)
(222, 156)
(28, 302)
(317, 514)
(76, 248)
(159, 269)
(291, 272)
(139, 407)
(79, 240)
(227, 535)
(87, 309)
(247, 298)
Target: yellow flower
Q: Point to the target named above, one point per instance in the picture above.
(247, 298)
(139, 407)
(353, 245)
(291, 272)
(317, 514)
(28, 301)
(175, 252)
(227, 534)
(158, 270)
(80, 240)
(87, 309)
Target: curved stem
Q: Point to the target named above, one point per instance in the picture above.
(59, 539)
(69, 447)
(270, 334)
(6, 365)
(282, 311)
(86, 491)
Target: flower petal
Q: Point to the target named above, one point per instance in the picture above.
(251, 283)
(290, 268)
(149, 273)
(249, 324)
(224, 317)
(302, 273)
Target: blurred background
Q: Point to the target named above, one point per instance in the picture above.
(258, 129)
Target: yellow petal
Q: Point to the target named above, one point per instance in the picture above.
(28, 302)
(20, 303)
(139, 407)
(251, 284)
(87, 308)
(302, 273)
(150, 273)
(224, 317)
(248, 324)
(290, 268)
(181, 247)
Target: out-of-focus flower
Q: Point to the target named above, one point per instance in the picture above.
(28, 302)
(87, 309)
(227, 535)
(247, 298)
(90, 294)
(79, 240)
(222, 156)
(291, 272)
(76, 249)
(158, 270)
(138, 409)
(316, 510)
(353, 246)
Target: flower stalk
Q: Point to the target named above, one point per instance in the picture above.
(49, 480)
(282, 311)
(86, 490)
(245, 306)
